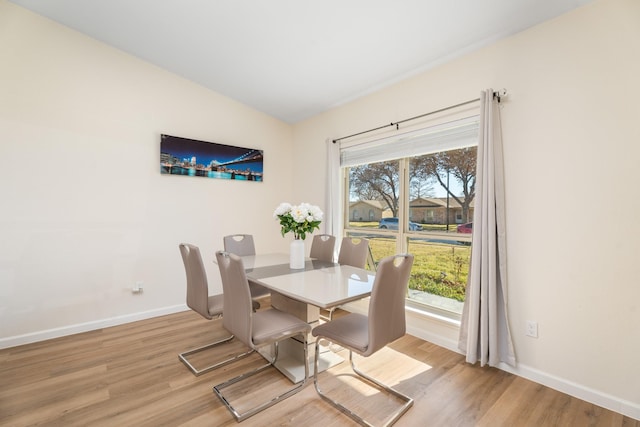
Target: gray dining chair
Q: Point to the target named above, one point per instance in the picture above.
(242, 245)
(366, 334)
(353, 252)
(239, 244)
(199, 300)
(322, 247)
(263, 328)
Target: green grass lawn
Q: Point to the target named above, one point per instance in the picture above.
(438, 268)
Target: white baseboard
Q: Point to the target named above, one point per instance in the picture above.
(446, 336)
(436, 339)
(613, 403)
(88, 326)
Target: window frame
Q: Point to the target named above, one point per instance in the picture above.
(403, 234)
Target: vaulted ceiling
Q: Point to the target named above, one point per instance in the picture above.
(293, 59)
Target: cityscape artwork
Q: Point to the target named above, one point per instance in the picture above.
(191, 157)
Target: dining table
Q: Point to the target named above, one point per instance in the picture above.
(303, 292)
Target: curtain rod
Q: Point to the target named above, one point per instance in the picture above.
(497, 95)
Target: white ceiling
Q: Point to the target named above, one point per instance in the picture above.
(293, 59)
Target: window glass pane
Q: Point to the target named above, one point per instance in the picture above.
(439, 273)
(374, 194)
(442, 189)
(441, 193)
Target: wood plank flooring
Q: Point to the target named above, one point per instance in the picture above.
(130, 375)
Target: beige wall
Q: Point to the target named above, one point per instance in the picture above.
(85, 212)
(572, 135)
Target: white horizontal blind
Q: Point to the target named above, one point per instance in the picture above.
(446, 136)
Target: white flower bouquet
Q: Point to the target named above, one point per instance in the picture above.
(299, 220)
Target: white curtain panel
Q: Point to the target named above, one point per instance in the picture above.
(484, 331)
(333, 198)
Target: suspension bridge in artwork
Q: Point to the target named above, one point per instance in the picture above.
(248, 157)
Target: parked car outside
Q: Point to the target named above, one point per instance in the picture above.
(465, 228)
(392, 224)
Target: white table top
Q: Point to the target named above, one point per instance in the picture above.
(321, 284)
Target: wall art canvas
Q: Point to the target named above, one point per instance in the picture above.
(191, 157)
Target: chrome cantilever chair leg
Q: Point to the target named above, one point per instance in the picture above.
(293, 390)
(408, 402)
(256, 330)
(208, 306)
(183, 357)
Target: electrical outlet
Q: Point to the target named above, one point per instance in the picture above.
(532, 329)
(137, 288)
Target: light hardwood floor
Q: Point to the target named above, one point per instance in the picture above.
(130, 375)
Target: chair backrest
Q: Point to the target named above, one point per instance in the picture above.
(322, 247)
(387, 320)
(237, 307)
(239, 244)
(197, 286)
(353, 252)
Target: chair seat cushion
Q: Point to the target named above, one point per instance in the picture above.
(350, 331)
(215, 305)
(272, 325)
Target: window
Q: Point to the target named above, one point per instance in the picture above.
(430, 216)
(424, 184)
